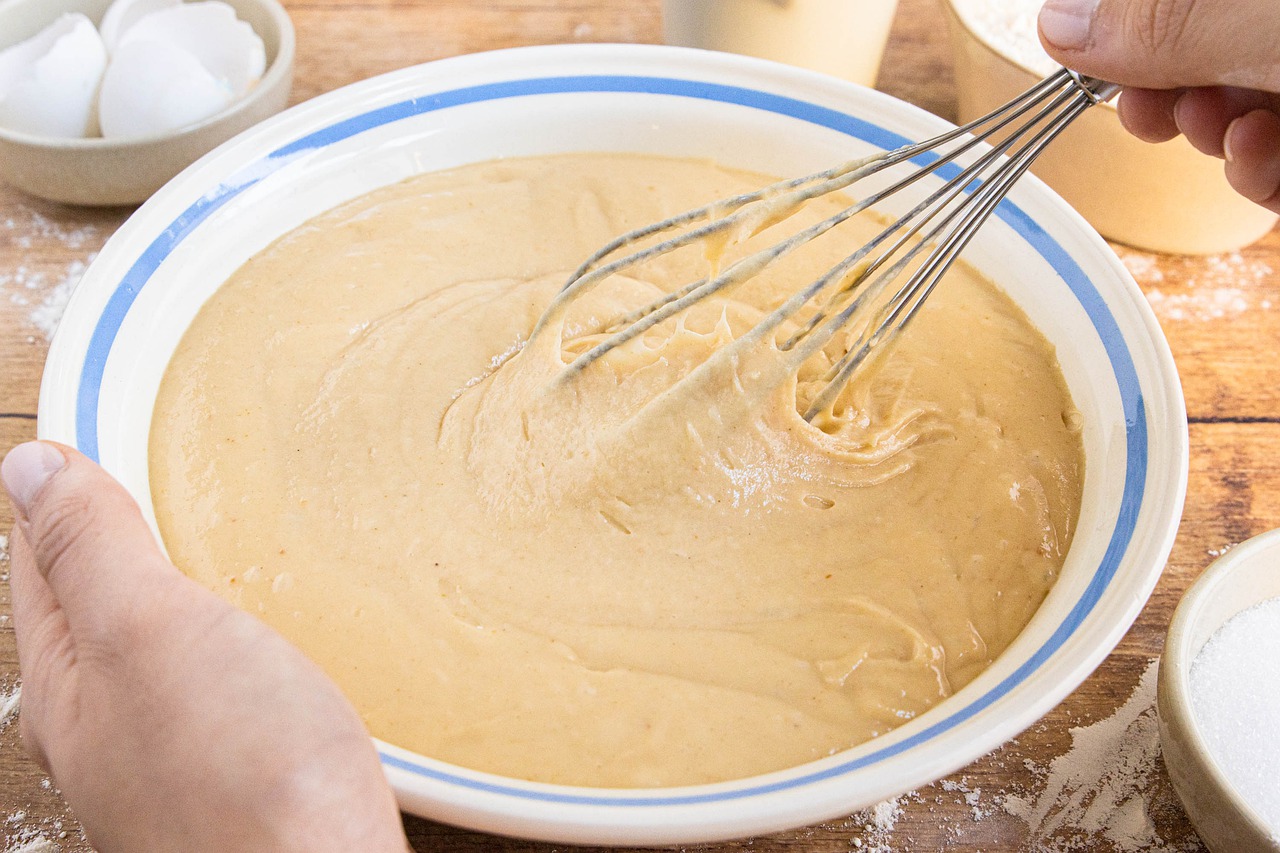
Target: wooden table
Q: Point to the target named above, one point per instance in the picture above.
(1221, 315)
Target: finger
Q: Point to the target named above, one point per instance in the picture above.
(36, 615)
(40, 630)
(1148, 113)
(88, 539)
(1252, 145)
(1203, 115)
(1166, 44)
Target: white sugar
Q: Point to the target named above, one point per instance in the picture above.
(1235, 692)
(1010, 27)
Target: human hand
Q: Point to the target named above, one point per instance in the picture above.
(170, 720)
(1209, 70)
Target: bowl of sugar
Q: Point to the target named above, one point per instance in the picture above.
(1165, 198)
(1219, 699)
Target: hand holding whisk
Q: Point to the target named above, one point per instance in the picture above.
(912, 251)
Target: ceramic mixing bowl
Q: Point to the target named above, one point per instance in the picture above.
(139, 296)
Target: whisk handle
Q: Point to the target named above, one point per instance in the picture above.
(1097, 90)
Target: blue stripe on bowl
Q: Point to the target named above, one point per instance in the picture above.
(1122, 366)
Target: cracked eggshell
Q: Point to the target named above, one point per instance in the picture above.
(227, 47)
(154, 87)
(123, 14)
(126, 170)
(49, 83)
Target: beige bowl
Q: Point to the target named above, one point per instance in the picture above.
(1165, 198)
(1245, 576)
(128, 171)
(843, 38)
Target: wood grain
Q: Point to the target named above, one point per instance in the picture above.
(1221, 317)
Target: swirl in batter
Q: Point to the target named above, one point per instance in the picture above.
(655, 573)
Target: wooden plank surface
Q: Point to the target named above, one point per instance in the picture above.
(1221, 315)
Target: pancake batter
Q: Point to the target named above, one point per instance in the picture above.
(653, 573)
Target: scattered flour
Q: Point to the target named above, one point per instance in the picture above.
(1214, 305)
(1144, 268)
(26, 832)
(1212, 288)
(4, 548)
(39, 844)
(36, 282)
(33, 226)
(1104, 788)
(875, 826)
(26, 835)
(9, 705)
(1218, 552)
(48, 313)
(1107, 792)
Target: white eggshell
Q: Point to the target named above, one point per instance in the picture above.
(153, 87)
(49, 83)
(227, 47)
(123, 14)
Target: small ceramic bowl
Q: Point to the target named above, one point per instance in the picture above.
(1164, 198)
(1246, 575)
(139, 296)
(103, 172)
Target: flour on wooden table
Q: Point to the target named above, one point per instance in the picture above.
(1105, 787)
(10, 702)
(873, 829)
(24, 834)
(39, 844)
(44, 287)
(33, 227)
(48, 313)
(1212, 288)
(1107, 792)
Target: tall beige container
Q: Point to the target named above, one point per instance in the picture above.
(1165, 198)
(844, 38)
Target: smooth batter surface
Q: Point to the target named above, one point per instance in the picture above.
(654, 573)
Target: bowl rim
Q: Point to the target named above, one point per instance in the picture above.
(280, 68)
(696, 813)
(1174, 681)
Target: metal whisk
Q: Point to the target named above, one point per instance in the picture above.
(927, 239)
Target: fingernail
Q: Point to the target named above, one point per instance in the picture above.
(1066, 23)
(27, 468)
(1227, 141)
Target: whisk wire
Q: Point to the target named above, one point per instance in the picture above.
(942, 224)
(915, 220)
(963, 224)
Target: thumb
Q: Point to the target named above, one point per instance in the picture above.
(1167, 44)
(86, 536)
